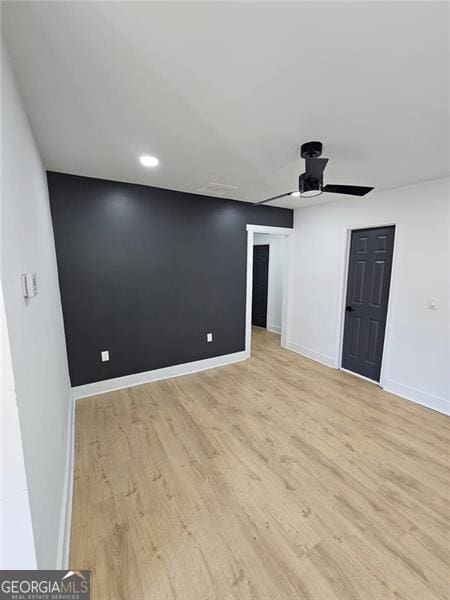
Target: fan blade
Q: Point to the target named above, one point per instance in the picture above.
(351, 190)
(273, 198)
(315, 167)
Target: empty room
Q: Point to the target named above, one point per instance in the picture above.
(225, 291)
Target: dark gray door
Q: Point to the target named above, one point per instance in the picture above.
(369, 277)
(260, 285)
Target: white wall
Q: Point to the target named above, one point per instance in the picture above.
(275, 284)
(415, 362)
(16, 532)
(35, 327)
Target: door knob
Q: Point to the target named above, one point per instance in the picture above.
(349, 308)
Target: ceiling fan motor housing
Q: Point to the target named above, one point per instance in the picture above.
(311, 150)
(308, 186)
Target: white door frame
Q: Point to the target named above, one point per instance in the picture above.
(285, 231)
(343, 294)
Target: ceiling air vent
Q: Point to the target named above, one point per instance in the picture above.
(218, 189)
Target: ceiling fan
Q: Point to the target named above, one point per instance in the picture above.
(310, 183)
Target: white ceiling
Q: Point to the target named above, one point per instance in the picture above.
(225, 92)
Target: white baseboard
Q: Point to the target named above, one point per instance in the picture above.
(118, 383)
(66, 506)
(399, 389)
(274, 328)
(418, 396)
(328, 361)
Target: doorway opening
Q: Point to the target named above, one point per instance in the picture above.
(267, 283)
(267, 293)
(367, 297)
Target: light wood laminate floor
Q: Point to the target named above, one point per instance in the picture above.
(272, 478)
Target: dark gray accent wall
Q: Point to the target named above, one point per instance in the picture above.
(146, 272)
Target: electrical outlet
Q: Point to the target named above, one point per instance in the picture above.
(209, 337)
(105, 355)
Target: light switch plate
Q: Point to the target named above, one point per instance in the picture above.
(29, 285)
(105, 355)
(209, 337)
(432, 304)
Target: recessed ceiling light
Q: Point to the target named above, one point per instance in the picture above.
(149, 161)
(295, 194)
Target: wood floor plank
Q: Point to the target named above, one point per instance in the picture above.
(274, 478)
